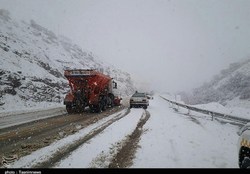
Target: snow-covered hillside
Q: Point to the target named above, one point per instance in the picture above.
(32, 64)
(231, 87)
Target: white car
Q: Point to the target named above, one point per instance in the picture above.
(139, 99)
(244, 146)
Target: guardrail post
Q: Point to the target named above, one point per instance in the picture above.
(175, 107)
(210, 113)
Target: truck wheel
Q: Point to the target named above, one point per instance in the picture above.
(98, 107)
(112, 104)
(92, 108)
(112, 97)
(82, 107)
(103, 104)
(69, 109)
(104, 107)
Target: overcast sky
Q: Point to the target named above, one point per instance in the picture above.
(173, 44)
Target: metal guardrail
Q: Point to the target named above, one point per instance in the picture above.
(211, 113)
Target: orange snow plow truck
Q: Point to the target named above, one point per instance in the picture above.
(89, 88)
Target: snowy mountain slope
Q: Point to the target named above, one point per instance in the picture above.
(231, 87)
(32, 64)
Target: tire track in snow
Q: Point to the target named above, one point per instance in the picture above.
(121, 153)
(100, 151)
(44, 156)
(65, 151)
(126, 154)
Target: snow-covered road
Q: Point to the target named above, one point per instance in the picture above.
(169, 140)
(99, 151)
(9, 119)
(177, 140)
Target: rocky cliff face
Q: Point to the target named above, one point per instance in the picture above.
(230, 87)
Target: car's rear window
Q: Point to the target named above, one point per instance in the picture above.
(138, 95)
